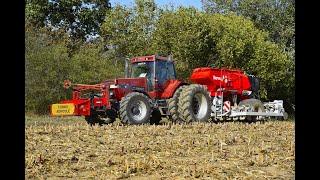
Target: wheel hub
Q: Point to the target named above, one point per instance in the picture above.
(138, 110)
(135, 111)
(196, 105)
(199, 105)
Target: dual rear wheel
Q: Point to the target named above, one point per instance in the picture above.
(190, 103)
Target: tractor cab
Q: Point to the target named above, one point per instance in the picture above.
(156, 69)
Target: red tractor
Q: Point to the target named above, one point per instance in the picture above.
(140, 97)
(151, 91)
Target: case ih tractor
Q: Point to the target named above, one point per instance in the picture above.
(151, 91)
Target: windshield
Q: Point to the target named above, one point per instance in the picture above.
(143, 69)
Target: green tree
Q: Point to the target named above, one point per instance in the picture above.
(143, 24)
(274, 16)
(91, 66)
(80, 18)
(46, 65)
(185, 34)
(115, 31)
(198, 39)
(128, 31)
(37, 12)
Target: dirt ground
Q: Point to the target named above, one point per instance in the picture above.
(59, 148)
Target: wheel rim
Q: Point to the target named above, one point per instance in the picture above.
(138, 110)
(199, 105)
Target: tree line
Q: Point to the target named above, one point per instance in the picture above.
(87, 42)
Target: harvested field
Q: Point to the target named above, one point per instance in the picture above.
(59, 148)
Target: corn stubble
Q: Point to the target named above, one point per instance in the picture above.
(230, 150)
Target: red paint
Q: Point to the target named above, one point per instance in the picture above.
(169, 88)
(82, 106)
(127, 85)
(214, 78)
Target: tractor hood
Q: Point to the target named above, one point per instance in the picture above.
(123, 86)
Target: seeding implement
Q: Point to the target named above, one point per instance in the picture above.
(151, 90)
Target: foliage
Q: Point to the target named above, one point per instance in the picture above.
(129, 30)
(185, 34)
(197, 39)
(80, 18)
(90, 66)
(240, 45)
(46, 68)
(274, 16)
(48, 64)
(115, 31)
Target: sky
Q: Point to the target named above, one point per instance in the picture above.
(176, 3)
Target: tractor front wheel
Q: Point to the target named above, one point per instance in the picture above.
(135, 108)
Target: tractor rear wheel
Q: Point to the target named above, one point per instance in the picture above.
(135, 108)
(194, 103)
(255, 105)
(173, 106)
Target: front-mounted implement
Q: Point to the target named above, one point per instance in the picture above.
(91, 101)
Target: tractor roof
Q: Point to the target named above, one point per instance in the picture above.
(148, 58)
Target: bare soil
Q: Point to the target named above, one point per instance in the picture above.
(59, 148)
